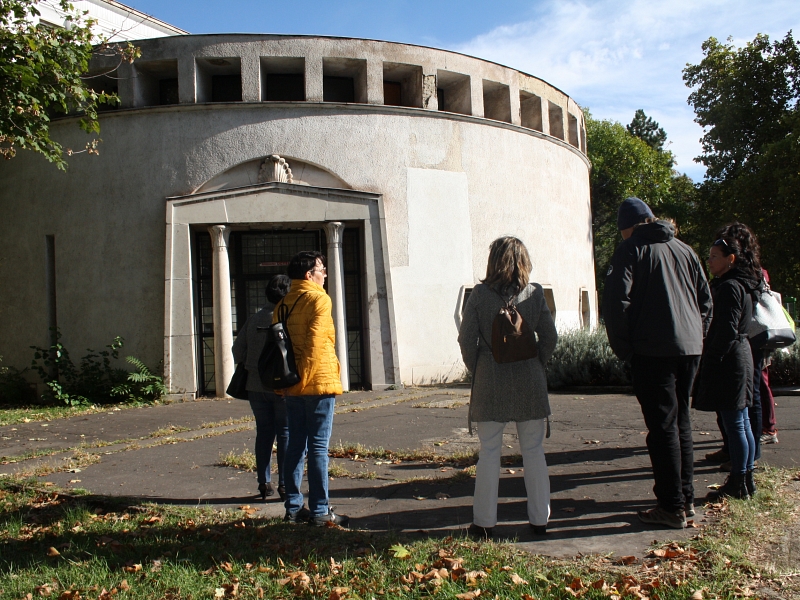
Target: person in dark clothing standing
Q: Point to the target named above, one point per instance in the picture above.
(726, 382)
(657, 310)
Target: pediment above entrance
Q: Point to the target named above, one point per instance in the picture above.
(274, 167)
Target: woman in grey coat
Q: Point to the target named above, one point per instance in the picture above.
(268, 408)
(514, 391)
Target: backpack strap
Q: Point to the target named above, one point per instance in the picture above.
(282, 310)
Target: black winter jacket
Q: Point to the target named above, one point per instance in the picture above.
(726, 369)
(656, 300)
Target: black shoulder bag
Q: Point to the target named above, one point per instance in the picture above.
(276, 365)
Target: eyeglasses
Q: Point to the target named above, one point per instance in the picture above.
(320, 269)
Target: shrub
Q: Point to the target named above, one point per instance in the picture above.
(14, 388)
(785, 367)
(584, 357)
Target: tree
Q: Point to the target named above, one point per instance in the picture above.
(624, 165)
(748, 102)
(43, 74)
(647, 130)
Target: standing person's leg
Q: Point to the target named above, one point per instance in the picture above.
(537, 481)
(687, 369)
(487, 474)
(654, 381)
(737, 427)
(282, 437)
(265, 435)
(319, 422)
(769, 425)
(295, 453)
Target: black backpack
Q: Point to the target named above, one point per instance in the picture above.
(276, 365)
(512, 338)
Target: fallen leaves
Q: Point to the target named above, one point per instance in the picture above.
(53, 552)
(399, 551)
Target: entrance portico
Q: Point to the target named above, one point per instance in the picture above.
(274, 205)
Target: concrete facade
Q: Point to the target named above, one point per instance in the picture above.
(472, 151)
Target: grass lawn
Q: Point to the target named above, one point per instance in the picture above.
(70, 546)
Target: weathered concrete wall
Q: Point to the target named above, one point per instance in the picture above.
(450, 185)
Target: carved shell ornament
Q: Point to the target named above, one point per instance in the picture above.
(275, 168)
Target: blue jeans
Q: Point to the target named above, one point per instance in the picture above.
(310, 424)
(741, 444)
(270, 413)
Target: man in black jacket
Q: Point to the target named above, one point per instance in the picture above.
(657, 310)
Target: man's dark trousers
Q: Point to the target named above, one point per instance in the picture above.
(663, 386)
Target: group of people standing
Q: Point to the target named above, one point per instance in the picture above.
(683, 340)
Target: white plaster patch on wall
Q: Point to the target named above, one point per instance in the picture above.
(440, 262)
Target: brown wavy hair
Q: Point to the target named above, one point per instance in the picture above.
(509, 264)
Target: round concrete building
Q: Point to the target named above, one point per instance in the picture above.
(230, 153)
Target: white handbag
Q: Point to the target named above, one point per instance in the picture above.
(771, 326)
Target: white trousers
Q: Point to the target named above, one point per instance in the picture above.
(487, 480)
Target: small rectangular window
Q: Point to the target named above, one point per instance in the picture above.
(496, 101)
(392, 93)
(556, 120)
(573, 130)
(155, 83)
(402, 85)
(530, 108)
(457, 91)
(283, 79)
(219, 79)
(344, 80)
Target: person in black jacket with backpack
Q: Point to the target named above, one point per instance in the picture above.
(657, 310)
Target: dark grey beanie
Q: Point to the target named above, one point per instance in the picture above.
(632, 211)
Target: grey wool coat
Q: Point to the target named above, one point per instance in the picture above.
(249, 343)
(511, 391)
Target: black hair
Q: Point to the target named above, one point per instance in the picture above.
(302, 262)
(278, 287)
(738, 239)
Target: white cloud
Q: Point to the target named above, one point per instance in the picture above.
(615, 56)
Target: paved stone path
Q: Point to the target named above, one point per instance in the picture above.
(599, 467)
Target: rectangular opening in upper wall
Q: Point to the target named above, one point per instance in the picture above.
(219, 79)
(156, 83)
(103, 84)
(530, 109)
(402, 85)
(573, 130)
(283, 79)
(556, 120)
(496, 101)
(344, 80)
(586, 314)
(454, 92)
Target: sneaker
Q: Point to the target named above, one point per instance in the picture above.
(688, 510)
(329, 520)
(718, 456)
(301, 516)
(659, 516)
(769, 438)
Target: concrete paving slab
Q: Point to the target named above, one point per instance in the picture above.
(598, 464)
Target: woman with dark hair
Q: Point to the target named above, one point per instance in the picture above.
(510, 391)
(268, 408)
(726, 370)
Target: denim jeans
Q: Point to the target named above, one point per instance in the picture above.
(537, 482)
(754, 412)
(310, 423)
(663, 385)
(741, 445)
(270, 413)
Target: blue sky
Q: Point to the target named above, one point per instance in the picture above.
(612, 56)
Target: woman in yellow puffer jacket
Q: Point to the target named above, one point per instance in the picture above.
(310, 402)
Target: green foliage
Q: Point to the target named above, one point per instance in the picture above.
(647, 130)
(583, 357)
(95, 380)
(785, 367)
(42, 71)
(624, 165)
(14, 388)
(747, 99)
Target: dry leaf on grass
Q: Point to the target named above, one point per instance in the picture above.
(53, 552)
(338, 593)
(469, 595)
(134, 568)
(517, 580)
(123, 585)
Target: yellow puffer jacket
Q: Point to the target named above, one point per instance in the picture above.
(313, 338)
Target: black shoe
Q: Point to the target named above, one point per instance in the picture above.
(282, 492)
(718, 456)
(688, 509)
(659, 516)
(329, 520)
(734, 487)
(478, 532)
(265, 489)
(539, 529)
(301, 516)
(749, 483)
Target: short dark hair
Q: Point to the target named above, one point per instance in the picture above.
(278, 287)
(302, 262)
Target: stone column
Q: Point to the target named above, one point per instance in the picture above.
(335, 231)
(223, 326)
